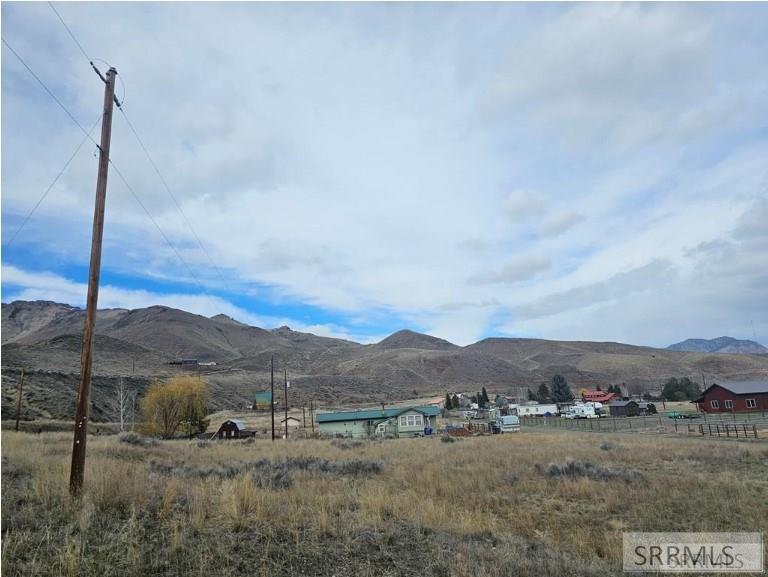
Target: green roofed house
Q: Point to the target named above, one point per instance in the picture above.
(262, 400)
(399, 422)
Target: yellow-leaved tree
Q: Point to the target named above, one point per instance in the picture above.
(177, 405)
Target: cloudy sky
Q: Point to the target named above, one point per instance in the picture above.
(578, 171)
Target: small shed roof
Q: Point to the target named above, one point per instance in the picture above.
(622, 403)
(263, 397)
(375, 414)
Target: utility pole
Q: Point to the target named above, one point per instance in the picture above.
(18, 400)
(86, 356)
(312, 414)
(285, 399)
(272, 394)
(303, 417)
(122, 400)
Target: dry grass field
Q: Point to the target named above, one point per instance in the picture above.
(485, 506)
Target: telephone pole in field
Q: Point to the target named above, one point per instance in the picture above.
(86, 356)
(285, 399)
(272, 394)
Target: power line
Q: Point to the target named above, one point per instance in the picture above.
(167, 240)
(80, 46)
(170, 193)
(50, 93)
(117, 170)
(53, 183)
(146, 151)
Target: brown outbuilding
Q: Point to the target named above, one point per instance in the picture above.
(233, 429)
(624, 409)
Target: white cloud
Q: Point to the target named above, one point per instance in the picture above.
(515, 270)
(359, 158)
(559, 223)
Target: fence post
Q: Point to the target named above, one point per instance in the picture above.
(701, 429)
(717, 426)
(727, 430)
(754, 430)
(675, 425)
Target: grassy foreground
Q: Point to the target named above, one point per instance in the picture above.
(488, 506)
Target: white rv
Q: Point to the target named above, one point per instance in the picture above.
(508, 423)
(537, 410)
(586, 411)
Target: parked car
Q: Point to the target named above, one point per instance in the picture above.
(679, 415)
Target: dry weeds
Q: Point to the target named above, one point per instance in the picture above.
(481, 507)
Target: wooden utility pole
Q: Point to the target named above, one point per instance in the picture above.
(272, 394)
(18, 400)
(312, 414)
(122, 405)
(86, 356)
(303, 417)
(285, 400)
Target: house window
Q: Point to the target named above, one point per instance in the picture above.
(728, 404)
(715, 404)
(751, 403)
(411, 421)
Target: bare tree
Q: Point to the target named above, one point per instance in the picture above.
(122, 400)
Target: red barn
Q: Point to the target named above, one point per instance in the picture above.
(734, 397)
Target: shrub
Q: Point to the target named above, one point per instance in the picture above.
(137, 440)
(609, 446)
(447, 439)
(581, 469)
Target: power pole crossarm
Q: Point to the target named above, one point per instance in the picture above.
(86, 356)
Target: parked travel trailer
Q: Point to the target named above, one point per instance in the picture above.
(537, 410)
(508, 423)
(586, 411)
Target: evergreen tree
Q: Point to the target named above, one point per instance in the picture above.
(448, 402)
(456, 402)
(532, 396)
(486, 399)
(543, 395)
(597, 388)
(561, 392)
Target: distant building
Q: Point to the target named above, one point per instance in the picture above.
(233, 429)
(399, 422)
(624, 409)
(595, 396)
(734, 397)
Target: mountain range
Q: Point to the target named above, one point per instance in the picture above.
(720, 345)
(44, 338)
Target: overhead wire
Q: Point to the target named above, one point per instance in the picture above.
(146, 152)
(117, 170)
(9, 242)
(50, 93)
(173, 196)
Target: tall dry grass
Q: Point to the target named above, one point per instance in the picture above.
(480, 506)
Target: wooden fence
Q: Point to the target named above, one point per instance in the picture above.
(720, 425)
